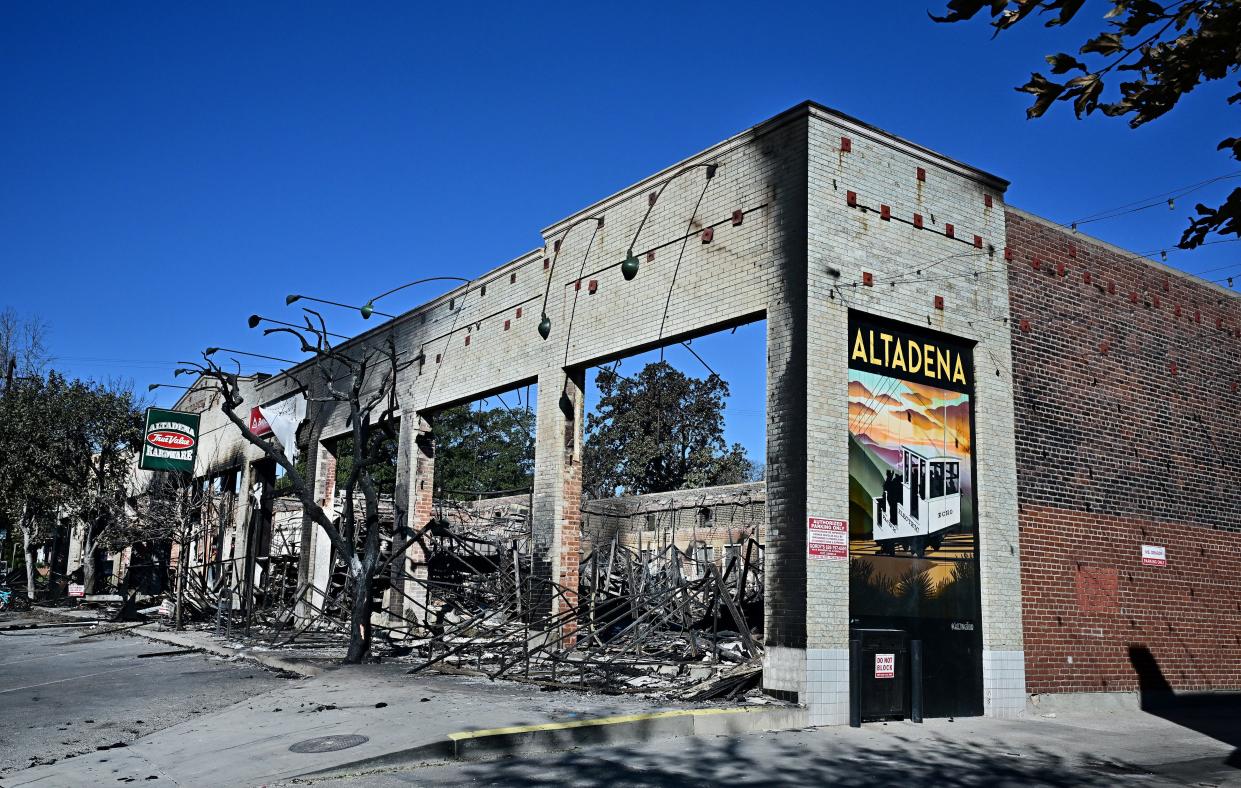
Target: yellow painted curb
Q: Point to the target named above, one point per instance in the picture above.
(555, 726)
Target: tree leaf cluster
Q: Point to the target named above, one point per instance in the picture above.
(1166, 48)
(661, 430)
(480, 450)
(67, 449)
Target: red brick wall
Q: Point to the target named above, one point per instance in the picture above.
(1128, 424)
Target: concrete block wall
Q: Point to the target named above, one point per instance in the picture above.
(910, 266)
(1128, 430)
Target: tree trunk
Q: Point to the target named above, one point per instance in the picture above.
(88, 567)
(183, 555)
(360, 621)
(28, 550)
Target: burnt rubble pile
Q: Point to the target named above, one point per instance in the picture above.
(638, 621)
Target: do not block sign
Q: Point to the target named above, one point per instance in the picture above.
(827, 540)
(885, 666)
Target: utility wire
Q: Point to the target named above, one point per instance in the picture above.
(1145, 203)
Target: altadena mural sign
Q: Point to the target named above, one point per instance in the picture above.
(913, 539)
(170, 441)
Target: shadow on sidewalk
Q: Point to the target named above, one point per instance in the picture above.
(738, 761)
(1214, 714)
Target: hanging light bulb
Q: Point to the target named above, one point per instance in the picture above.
(545, 327)
(1171, 204)
(1163, 255)
(367, 310)
(629, 268)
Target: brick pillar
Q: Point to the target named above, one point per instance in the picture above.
(557, 507)
(240, 531)
(415, 475)
(318, 561)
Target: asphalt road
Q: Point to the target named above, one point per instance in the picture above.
(63, 695)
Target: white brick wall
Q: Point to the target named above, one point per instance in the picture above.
(790, 179)
(883, 171)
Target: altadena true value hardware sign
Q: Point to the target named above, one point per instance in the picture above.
(169, 441)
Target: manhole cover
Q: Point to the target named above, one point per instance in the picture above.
(329, 743)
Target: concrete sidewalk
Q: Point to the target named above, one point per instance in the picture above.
(356, 718)
(1098, 750)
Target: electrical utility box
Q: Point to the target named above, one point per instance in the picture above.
(880, 671)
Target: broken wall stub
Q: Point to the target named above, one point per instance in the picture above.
(709, 520)
(407, 598)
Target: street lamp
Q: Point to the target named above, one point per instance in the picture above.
(256, 319)
(629, 268)
(289, 299)
(545, 325)
(368, 308)
(211, 351)
(154, 386)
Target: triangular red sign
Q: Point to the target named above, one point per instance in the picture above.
(258, 424)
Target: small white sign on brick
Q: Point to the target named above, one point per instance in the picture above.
(77, 589)
(1154, 555)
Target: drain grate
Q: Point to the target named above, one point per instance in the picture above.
(329, 743)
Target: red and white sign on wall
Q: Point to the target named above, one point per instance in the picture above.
(77, 589)
(258, 422)
(1154, 555)
(885, 666)
(827, 540)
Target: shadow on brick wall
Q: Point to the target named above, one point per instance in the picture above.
(1213, 714)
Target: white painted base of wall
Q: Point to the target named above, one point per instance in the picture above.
(1003, 683)
(827, 686)
(784, 669)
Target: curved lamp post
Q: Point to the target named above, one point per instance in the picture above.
(629, 268)
(289, 299)
(154, 386)
(368, 308)
(211, 351)
(254, 321)
(545, 325)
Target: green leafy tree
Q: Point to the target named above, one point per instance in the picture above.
(383, 472)
(66, 451)
(32, 493)
(480, 450)
(658, 431)
(1168, 48)
(103, 423)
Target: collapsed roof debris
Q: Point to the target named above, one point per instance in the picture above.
(669, 598)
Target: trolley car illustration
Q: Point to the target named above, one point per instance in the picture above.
(919, 506)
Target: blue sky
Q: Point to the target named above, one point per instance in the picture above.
(169, 169)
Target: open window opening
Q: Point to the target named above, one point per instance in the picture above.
(478, 540)
(674, 502)
(349, 508)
